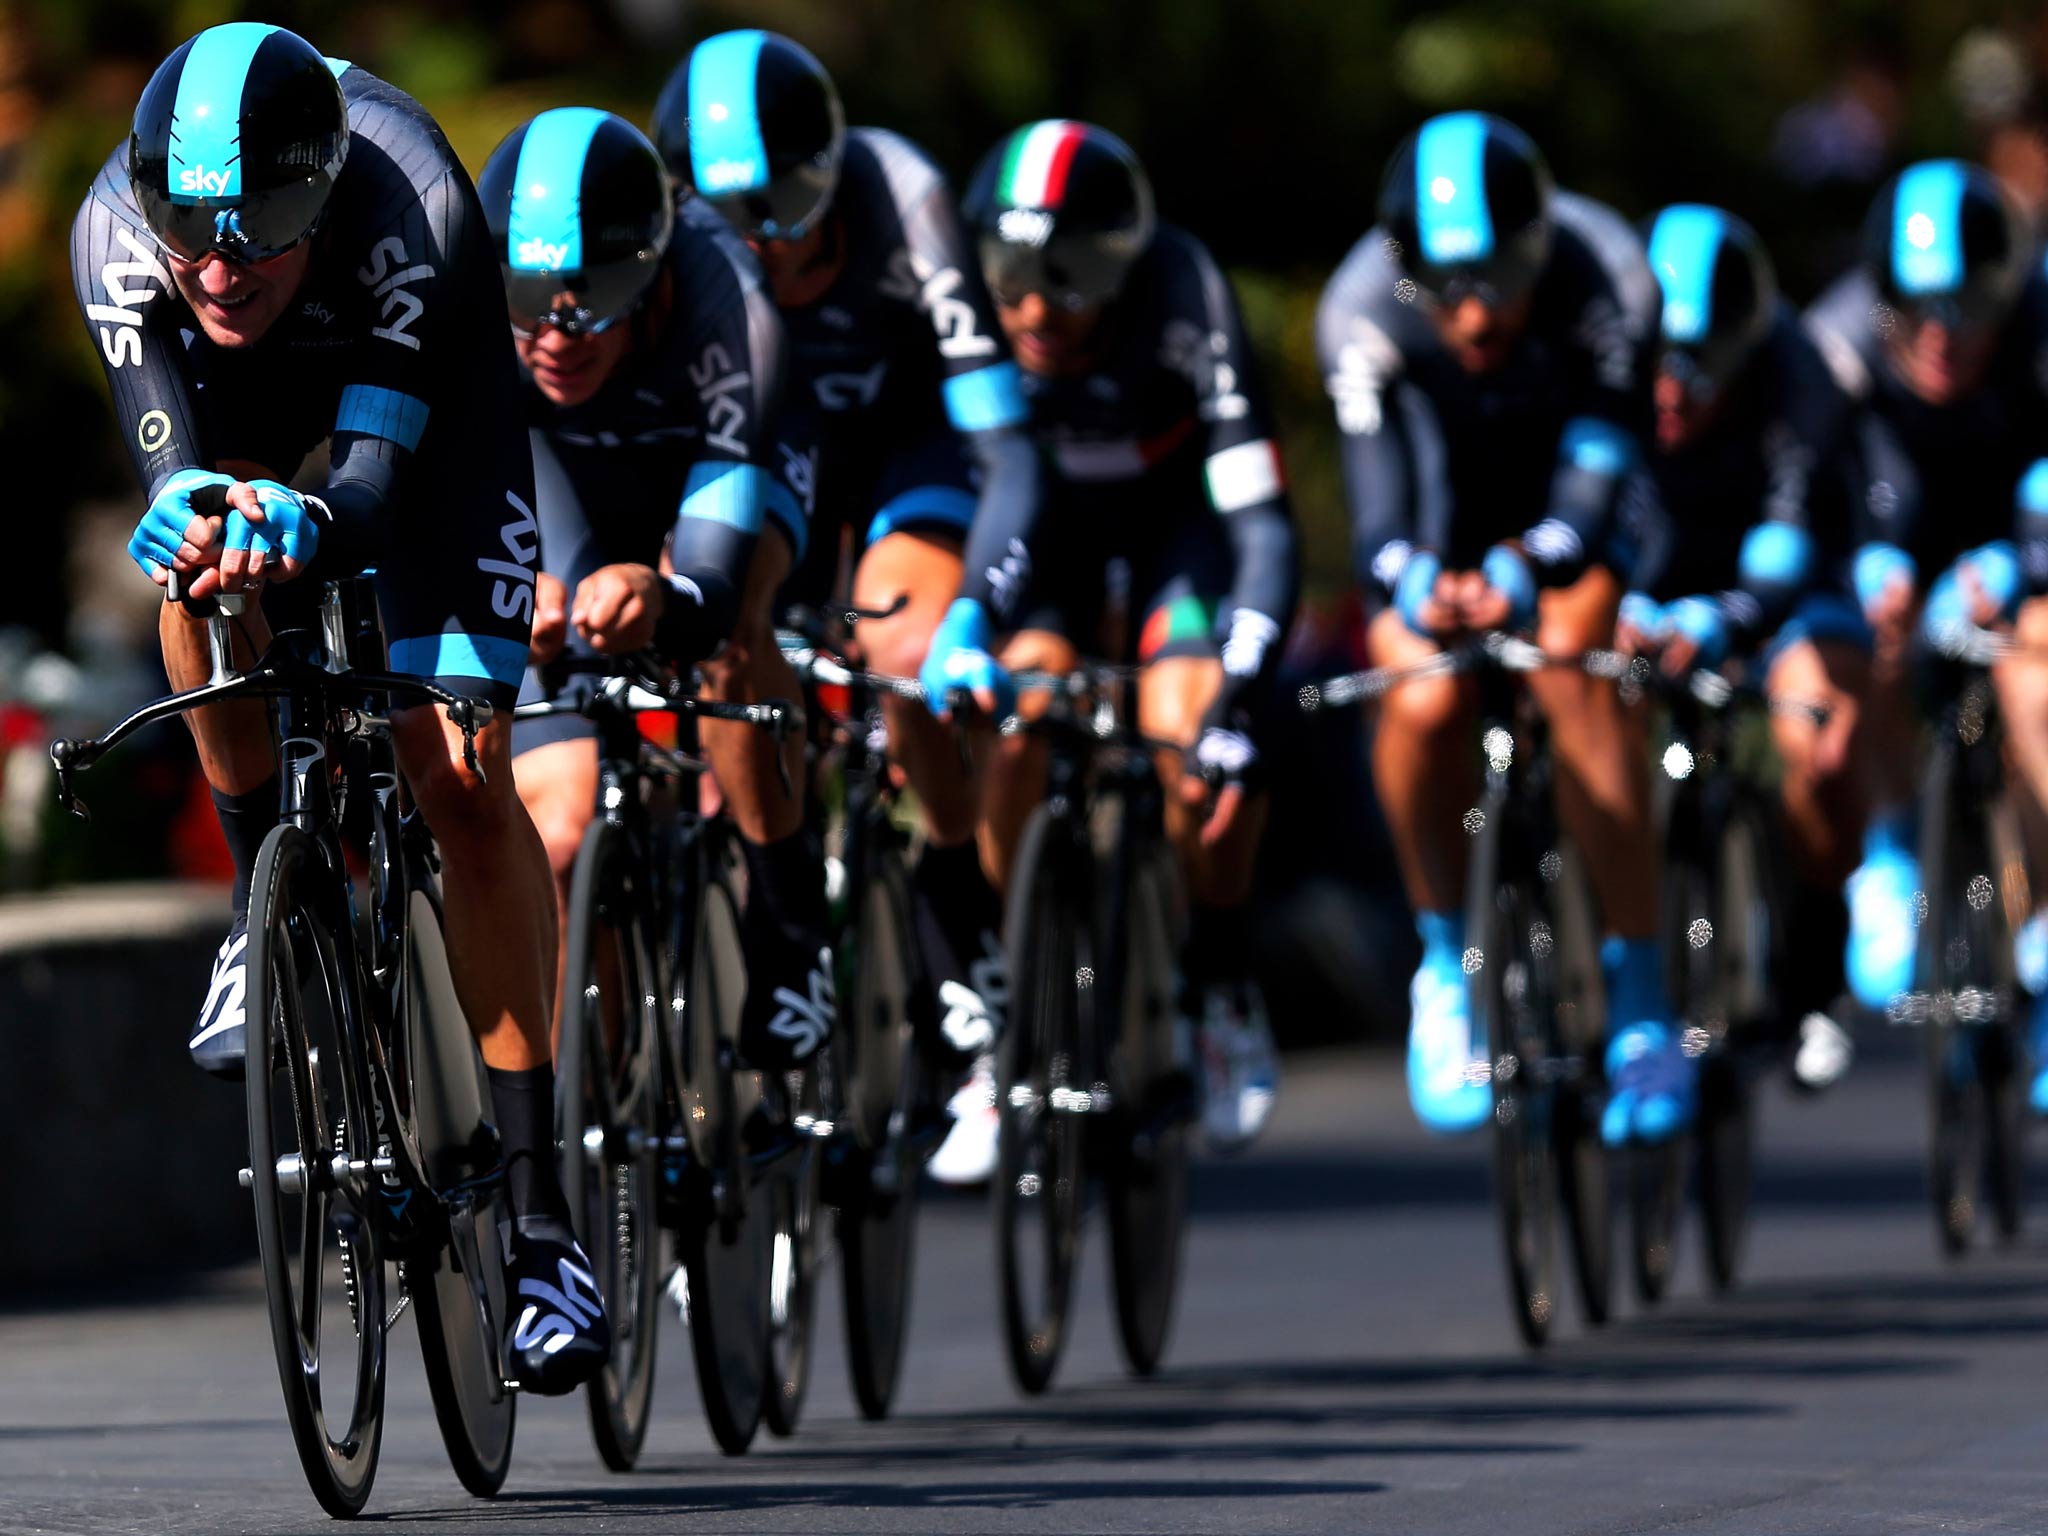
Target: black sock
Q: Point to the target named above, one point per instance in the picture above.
(245, 820)
(955, 906)
(788, 876)
(525, 1105)
(1218, 945)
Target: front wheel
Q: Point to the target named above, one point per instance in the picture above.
(1041, 1101)
(606, 1125)
(323, 1272)
(726, 1244)
(1148, 1177)
(878, 1223)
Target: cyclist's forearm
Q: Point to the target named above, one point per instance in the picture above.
(1005, 519)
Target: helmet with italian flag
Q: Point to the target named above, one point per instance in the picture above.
(1062, 209)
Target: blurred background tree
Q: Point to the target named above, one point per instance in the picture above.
(1264, 128)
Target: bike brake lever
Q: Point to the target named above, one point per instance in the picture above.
(63, 755)
(463, 713)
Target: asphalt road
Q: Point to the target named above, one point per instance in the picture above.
(1343, 1361)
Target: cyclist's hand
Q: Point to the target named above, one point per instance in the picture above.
(617, 607)
(173, 534)
(272, 531)
(1639, 626)
(959, 658)
(1885, 579)
(1225, 757)
(550, 620)
(1482, 607)
(1426, 596)
(1501, 594)
(1698, 635)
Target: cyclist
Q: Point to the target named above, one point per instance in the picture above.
(286, 250)
(901, 377)
(1941, 336)
(1753, 474)
(1487, 347)
(654, 364)
(1146, 399)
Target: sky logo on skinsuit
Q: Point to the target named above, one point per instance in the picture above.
(390, 287)
(124, 345)
(720, 390)
(512, 596)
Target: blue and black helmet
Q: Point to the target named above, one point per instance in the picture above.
(237, 141)
(753, 123)
(580, 215)
(1720, 293)
(1944, 243)
(1466, 204)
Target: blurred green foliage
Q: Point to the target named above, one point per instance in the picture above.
(1264, 126)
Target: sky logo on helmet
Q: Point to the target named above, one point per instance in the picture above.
(730, 175)
(198, 181)
(540, 255)
(1024, 226)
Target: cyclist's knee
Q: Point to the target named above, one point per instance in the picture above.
(923, 573)
(471, 812)
(1432, 713)
(558, 793)
(1174, 695)
(1579, 616)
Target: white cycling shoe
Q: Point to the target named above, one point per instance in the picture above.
(1240, 1067)
(968, 1154)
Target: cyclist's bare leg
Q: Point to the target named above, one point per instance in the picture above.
(1423, 767)
(926, 568)
(558, 786)
(1173, 696)
(1821, 795)
(498, 904)
(748, 671)
(1013, 768)
(1603, 776)
(1889, 746)
(236, 752)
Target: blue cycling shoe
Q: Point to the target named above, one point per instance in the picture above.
(1449, 1080)
(1883, 922)
(1652, 1086)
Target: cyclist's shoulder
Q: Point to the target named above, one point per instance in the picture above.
(1369, 288)
(887, 168)
(397, 156)
(1840, 326)
(704, 248)
(111, 190)
(1597, 254)
(719, 291)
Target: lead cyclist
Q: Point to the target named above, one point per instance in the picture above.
(286, 250)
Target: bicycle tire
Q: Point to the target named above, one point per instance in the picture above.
(1509, 1002)
(2001, 1058)
(462, 1307)
(878, 1227)
(605, 1090)
(793, 1202)
(725, 1247)
(1148, 1174)
(308, 1100)
(1579, 1016)
(1955, 1105)
(1747, 954)
(1039, 1150)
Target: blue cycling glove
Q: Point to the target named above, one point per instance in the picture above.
(1996, 567)
(291, 523)
(1508, 573)
(1875, 567)
(1644, 613)
(1415, 586)
(1702, 621)
(161, 533)
(959, 659)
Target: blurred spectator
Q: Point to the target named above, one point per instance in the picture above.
(1832, 150)
(2004, 103)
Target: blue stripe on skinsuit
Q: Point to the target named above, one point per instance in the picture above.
(1451, 214)
(1684, 247)
(454, 654)
(1596, 446)
(545, 230)
(733, 494)
(726, 150)
(924, 506)
(382, 413)
(206, 119)
(1927, 250)
(986, 399)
